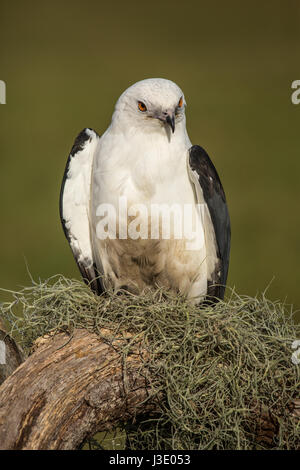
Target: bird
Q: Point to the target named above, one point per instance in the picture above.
(112, 183)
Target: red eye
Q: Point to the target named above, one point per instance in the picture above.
(142, 107)
(180, 103)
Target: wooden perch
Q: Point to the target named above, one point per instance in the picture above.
(71, 387)
(65, 393)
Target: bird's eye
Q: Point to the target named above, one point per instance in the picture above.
(180, 103)
(142, 107)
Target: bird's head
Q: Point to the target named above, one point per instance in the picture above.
(152, 104)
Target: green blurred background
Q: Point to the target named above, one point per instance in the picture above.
(66, 63)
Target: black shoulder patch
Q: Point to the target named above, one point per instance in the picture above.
(80, 141)
(208, 176)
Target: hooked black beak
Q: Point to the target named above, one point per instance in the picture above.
(170, 119)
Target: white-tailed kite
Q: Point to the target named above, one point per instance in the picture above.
(120, 189)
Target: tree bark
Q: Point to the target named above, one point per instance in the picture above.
(65, 393)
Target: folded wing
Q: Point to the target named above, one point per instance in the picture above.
(75, 205)
(214, 196)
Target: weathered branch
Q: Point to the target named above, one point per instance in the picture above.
(64, 393)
